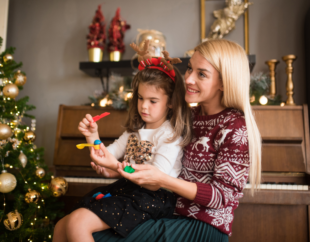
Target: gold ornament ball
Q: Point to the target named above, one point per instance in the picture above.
(32, 196)
(40, 172)
(59, 186)
(7, 57)
(1, 64)
(14, 221)
(7, 182)
(23, 159)
(10, 90)
(20, 78)
(5, 131)
(29, 136)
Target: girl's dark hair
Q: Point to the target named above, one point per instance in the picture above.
(180, 113)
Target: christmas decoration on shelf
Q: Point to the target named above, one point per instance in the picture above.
(59, 186)
(20, 180)
(259, 91)
(157, 41)
(14, 221)
(118, 98)
(96, 38)
(116, 36)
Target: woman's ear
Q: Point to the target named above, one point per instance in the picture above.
(221, 85)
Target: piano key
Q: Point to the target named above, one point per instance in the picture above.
(90, 180)
(281, 187)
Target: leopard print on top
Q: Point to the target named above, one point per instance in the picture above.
(138, 151)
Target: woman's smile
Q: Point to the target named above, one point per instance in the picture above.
(191, 91)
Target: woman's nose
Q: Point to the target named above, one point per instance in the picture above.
(189, 79)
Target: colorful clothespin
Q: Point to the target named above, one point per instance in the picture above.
(129, 169)
(96, 145)
(96, 118)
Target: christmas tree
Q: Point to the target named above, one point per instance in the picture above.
(28, 203)
(96, 36)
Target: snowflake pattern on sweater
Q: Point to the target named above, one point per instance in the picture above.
(217, 160)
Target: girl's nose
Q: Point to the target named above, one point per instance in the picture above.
(144, 105)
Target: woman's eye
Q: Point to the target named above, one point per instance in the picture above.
(189, 68)
(140, 98)
(201, 74)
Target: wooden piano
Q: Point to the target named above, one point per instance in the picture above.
(278, 212)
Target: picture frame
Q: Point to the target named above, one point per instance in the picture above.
(203, 21)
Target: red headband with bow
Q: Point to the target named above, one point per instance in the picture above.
(163, 64)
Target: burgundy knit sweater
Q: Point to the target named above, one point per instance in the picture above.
(217, 160)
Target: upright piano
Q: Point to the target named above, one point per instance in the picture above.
(279, 211)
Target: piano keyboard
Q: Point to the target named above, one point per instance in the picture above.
(248, 186)
(281, 187)
(90, 180)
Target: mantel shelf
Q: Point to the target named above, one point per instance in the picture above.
(123, 67)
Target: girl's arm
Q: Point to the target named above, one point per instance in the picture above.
(105, 172)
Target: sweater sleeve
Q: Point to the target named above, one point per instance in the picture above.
(231, 166)
(118, 147)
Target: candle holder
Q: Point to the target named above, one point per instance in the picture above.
(289, 84)
(272, 66)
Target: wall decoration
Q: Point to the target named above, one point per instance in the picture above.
(226, 13)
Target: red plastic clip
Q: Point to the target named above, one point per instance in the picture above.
(96, 118)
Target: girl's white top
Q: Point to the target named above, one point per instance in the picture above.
(167, 157)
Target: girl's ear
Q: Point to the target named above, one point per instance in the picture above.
(170, 106)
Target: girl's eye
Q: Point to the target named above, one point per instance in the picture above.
(153, 102)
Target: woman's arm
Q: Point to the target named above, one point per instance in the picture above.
(105, 172)
(150, 176)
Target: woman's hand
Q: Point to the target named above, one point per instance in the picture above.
(88, 127)
(104, 158)
(105, 172)
(147, 176)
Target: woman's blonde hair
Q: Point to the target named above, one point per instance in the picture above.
(231, 61)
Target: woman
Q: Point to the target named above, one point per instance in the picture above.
(225, 151)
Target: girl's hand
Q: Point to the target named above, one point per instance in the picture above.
(88, 127)
(105, 172)
(147, 176)
(104, 158)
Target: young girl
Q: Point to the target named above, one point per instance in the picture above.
(157, 129)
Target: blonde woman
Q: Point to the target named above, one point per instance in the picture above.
(224, 153)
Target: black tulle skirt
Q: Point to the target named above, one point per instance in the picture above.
(129, 205)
